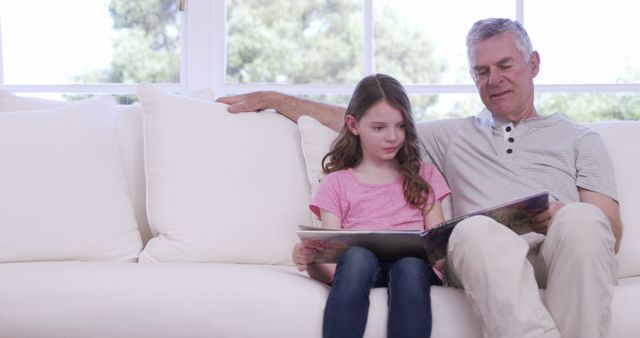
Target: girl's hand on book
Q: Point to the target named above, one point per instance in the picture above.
(439, 264)
(438, 269)
(303, 255)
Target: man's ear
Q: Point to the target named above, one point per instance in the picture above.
(535, 63)
(352, 124)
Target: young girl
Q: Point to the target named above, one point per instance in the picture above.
(376, 180)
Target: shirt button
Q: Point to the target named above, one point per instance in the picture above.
(511, 139)
(509, 151)
(508, 129)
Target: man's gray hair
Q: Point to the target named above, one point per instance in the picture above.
(487, 28)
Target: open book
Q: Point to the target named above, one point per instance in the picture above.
(390, 245)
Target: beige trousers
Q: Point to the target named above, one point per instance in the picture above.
(501, 273)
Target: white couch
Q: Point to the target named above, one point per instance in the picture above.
(223, 195)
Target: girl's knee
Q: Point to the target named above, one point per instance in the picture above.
(358, 261)
(409, 265)
(358, 255)
(410, 281)
(411, 270)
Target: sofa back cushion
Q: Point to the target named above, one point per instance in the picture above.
(128, 123)
(620, 137)
(220, 187)
(63, 193)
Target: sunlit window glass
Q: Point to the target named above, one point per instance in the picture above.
(89, 41)
(587, 107)
(424, 41)
(294, 42)
(430, 107)
(585, 41)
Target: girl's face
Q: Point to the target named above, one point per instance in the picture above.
(381, 130)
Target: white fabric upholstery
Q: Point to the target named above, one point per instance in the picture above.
(620, 138)
(12, 102)
(70, 299)
(64, 193)
(184, 300)
(316, 142)
(74, 299)
(129, 127)
(220, 187)
(128, 123)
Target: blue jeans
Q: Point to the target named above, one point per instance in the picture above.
(409, 283)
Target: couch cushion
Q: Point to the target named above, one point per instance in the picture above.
(128, 121)
(11, 102)
(64, 193)
(188, 300)
(74, 299)
(620, 137)
(316, 143)
(220, 187)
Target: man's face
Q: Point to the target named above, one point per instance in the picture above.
(504, 77)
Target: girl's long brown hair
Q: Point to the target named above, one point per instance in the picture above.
(346, 151)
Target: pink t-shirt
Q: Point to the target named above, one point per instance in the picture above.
(360, 205)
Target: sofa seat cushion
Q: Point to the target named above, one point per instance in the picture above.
(111, 299)
(80, 299)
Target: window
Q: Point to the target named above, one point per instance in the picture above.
(318, 49)
(317, 42)
(88, 46)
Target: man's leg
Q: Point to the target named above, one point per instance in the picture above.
(347, 308)
(581, 270)
(490, 262)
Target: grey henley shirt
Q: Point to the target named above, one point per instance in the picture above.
(487, 161)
